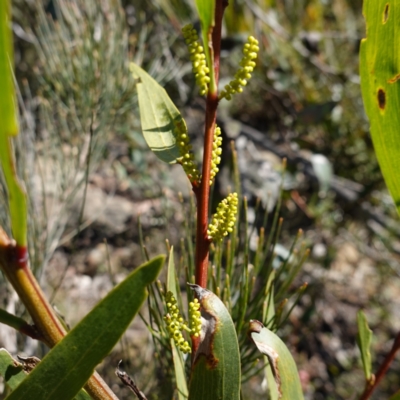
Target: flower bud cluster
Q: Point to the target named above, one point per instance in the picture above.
(247, 65)
(185, 149)
(197, 57)
(195, 318)
(216, 153)
(224, 219)
(176, 324)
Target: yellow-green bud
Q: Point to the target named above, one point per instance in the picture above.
(195, 318)
(250, 51)
(216, 152)
(187, 156)
(197, 57)
(176, 324)
(224, 219)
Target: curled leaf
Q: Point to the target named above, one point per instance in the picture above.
(216, 365)
(283, 366)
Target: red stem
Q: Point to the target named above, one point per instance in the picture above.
(373, 383)
(203, 194)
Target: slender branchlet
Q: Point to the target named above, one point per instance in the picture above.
(198, 58)
(216, 153)
(250, 51)
(224, 219)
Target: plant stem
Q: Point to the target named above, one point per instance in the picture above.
(203, 194)
(373, 383)
(14, 263)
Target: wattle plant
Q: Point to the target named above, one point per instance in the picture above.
(228, 333)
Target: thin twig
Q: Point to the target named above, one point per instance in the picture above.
(128, 381)
(373, 383)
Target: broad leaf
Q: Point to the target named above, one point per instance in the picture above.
(281, 361)
(179, 365)
(158, 115)
(364, 338)
(67, 367)
(216, 366)
(380, 84)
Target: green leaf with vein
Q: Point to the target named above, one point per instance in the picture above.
(158, 115)
(179, 365)
(380, 84)
(9, 128)
(364, 338)
(284, 368)
(67, 367)
(216, 368)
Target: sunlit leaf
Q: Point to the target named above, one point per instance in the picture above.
(216, 367)
(284, 368)
(9, 128)
(67, 367)
(158, 115)
(380, 84)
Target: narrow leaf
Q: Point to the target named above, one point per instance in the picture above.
(67, 367)
(380, 84)
(281, 361)
(158, 115)
(206, 10)
(8, 114)
(364, 338)
(179, 365)
(216, 366)
(9, 128)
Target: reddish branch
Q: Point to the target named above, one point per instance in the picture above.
(373, 383)
(203, 194)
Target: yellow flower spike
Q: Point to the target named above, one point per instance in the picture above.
(175, 323)
(224, 219)
(197, 57)
(195, 318)
(250, 51)
(187, 156)
(216, 152)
